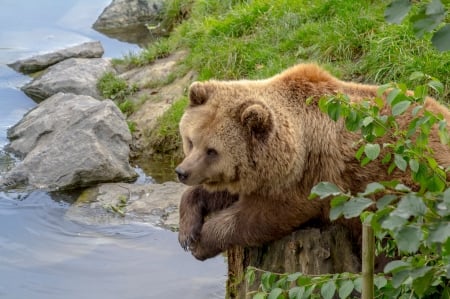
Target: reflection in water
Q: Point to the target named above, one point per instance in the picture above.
(44, 255)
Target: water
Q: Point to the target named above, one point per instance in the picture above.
(45, 255)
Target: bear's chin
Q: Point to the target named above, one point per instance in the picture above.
(232, 188)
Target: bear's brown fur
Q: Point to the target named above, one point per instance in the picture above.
(254, 150)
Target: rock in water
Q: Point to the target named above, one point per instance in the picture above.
(125, 13)
(74, 75)
(39, 62)
(70, 141)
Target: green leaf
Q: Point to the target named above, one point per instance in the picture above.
(400, 162)
(440, 233)
(325, 189)
(398, 278)
(441, 38)
(400, 107)
(296, 292)
(372, 150)
(385, 201)
(408, 239)
(358, 284)
(367, 121)
(396, 266)
(250, 276)
(436, 86)
(422, 281)
(359, 152)
(337, 206)
(355, 206)
(410, 205)
(392, 95)
(260, 295)
(267, 280)
(328, 289)
(276, 294)
(334, 110)
(373, 188)
(428, 18)
(414, 165)
(393, 222)
(380, 281)
(294, 276)
(345, 289)
(396, 11)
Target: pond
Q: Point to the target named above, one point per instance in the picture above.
(43, 253)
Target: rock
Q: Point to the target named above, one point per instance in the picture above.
(121, 203)
(39, 62)
(124, 13)
(70, 141)
(74, 75)
(129, 21)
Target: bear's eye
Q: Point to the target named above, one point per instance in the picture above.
(211, 152)
(190, 144)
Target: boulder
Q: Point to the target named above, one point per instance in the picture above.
(70, 141)
(125, 13)
(74, 75)
(36, 63)
(121, 203)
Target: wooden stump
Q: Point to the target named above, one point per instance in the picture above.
(309, 251)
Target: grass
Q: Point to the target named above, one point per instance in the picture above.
(235, 39)
(165, 138)
(253, 39)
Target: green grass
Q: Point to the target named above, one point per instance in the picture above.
(165, 138)
(117, 89)
(257, 39)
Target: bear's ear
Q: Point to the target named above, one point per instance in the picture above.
(258, 118)
(199, 93)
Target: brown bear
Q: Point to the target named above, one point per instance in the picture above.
(254, 150)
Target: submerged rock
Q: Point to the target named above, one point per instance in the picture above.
(74, 75)
(120, 203)
(39, 62)
(70, 141)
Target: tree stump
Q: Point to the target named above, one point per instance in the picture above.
(309, 251)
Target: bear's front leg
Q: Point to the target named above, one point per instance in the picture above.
(252, 222)
(196, 203)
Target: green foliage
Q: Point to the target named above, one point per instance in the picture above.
(165, 137)
(114, 88)
(412, 224)
(426, 19)
(117, 89)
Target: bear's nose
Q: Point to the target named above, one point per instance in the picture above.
(182, 175)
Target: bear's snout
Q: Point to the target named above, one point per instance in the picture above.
(182, 174)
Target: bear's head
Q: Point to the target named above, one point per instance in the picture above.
(232, 139)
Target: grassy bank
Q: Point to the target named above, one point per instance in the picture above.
(234, 39)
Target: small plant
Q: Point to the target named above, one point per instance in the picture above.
(127, 107)
(115, 88)
(119, 208)
(131, 126)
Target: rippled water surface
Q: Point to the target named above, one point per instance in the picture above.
(43, 253)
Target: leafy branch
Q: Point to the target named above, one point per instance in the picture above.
(411, 226)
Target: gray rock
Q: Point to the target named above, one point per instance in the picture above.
(121, 203)
(125, 13)
(70, 141)
(74, 75)
(39, 62)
